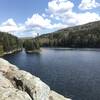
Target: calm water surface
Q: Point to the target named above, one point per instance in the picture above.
(73, 73)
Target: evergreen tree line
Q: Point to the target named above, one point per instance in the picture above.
(31, 44)
(81, 38)
(9, 42)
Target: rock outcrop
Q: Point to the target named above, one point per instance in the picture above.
(16, 84)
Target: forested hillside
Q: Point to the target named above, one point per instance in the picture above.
(9, 42)
(83, 36)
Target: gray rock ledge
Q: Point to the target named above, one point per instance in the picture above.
(16, 84)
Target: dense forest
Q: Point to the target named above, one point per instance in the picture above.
(9, 43)
(82, 36)
(31, 45)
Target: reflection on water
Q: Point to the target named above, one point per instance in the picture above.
(74, 73)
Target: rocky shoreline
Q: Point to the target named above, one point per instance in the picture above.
(20, 85)
(33, 51)
(11, 52)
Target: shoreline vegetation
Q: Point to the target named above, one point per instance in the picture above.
(31, 45)
(9, 44)
(82, 36)
(11, 52)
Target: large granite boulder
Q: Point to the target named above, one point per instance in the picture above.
(24, 81)
(20, 85)
(9, 92)
(13, 94)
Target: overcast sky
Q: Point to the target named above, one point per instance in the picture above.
(25, 18)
